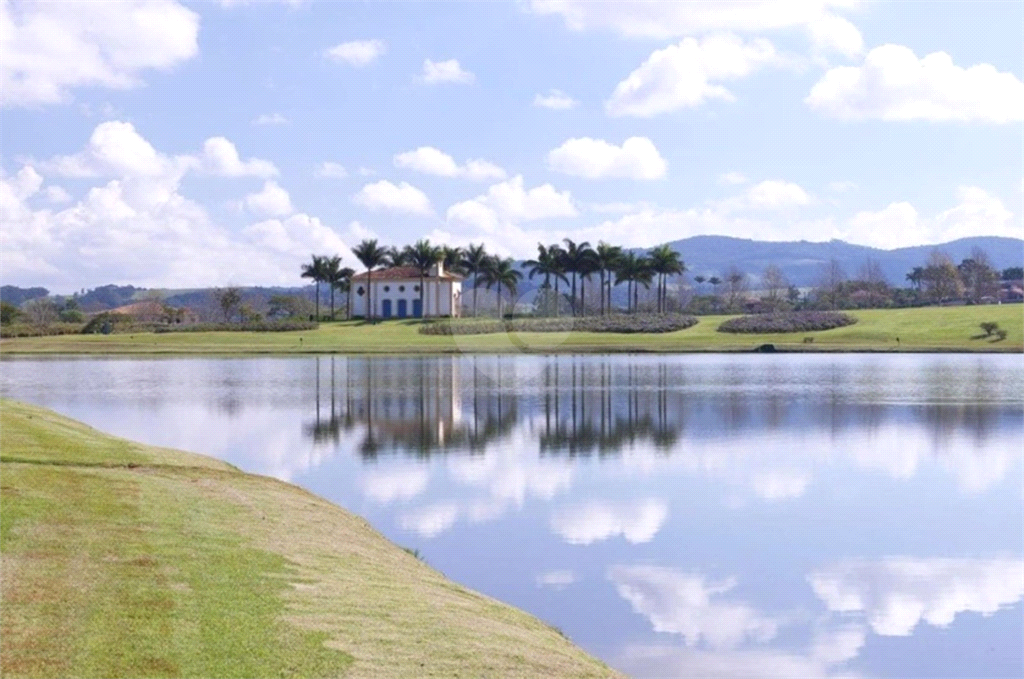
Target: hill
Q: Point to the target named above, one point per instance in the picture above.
(801, 261)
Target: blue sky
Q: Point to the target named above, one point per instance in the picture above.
(187, 144)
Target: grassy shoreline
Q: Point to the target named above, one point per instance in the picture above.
(120, 559)
(926, 329)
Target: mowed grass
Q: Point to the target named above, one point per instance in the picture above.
(920, 329)
(123, 560)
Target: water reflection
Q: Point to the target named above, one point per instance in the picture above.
(713, 516)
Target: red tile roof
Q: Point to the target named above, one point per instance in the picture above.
(403, 273)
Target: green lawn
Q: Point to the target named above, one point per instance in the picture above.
(124, 560)
(921, 329)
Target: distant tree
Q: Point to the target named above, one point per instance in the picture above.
(371, 255)
(979, 277)
(830, 284)
(606, 257)
(502, 273)
(735, 286)
(290, 306)
(989, 328)
(451, 258)
(574, 260)
(229, 300)
(715, 281)
(547, 265)
(775, 285)
(474, 259)
(40, 311)
(941, 279)
(665, 262)
(1014, 273)
(317, 271)
(8, 313)
(916, 277)
(423, 256)
(870, 287)
(700, 280)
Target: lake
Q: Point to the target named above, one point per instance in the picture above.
(712, 516)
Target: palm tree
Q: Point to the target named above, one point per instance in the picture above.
(316, 270)
(606, 256)
(916, 276)
(547, 264)
(573, 260)
(699, 280)
(474, 259)
(397, 256)
(423, 255)
(665, 262)
(371, 255)
(451, 259)
(587, 267)
(331, 269)
(633, 270)
(340, 279)
(502, 273)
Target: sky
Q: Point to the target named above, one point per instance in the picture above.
(189, 144)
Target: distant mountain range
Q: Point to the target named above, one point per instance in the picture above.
(801, 261)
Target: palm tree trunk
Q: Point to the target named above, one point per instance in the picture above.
(573, 293)
(318, 301)
(423, 311)
(500, 315)
(475, 282)
(583, 296)
(369, 295)
(332, 301)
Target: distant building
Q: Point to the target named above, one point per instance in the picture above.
(396, 293)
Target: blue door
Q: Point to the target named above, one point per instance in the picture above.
(417, 308)
(385, 308)
(403, 309)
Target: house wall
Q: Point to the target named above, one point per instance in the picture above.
(440, 298)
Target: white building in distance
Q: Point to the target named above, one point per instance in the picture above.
(396, 293)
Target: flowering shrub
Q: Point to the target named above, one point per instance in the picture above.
(650, 323)
(796, 321)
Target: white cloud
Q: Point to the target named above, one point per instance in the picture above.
(438, 72)
(732, 178)
(331, 170)
(688, 605)
(56, 194)
(842, 186)
(508, 202)
(663, 20)
(595, 521)
(430, 160)
(686, 75)
(220, 157)
(401, 483)
(272, 201)
(832, 32)
(556, 579)
(431, 521)
(637, 158)
(358, 52)
(978, 213)
(895, 594)
(289, 242)
(270, 119)
(403, 197)
(893, 84)
(51, 48)
(554, 99)
(774, 194)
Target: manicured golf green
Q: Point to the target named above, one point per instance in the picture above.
(124, 560)
(920, 329)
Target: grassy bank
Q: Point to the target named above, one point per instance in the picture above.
(120, 559)
(921, 329)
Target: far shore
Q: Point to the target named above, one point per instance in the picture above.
(924, 329)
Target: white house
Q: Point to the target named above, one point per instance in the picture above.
(396, 293)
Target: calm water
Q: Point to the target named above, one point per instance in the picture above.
(711, 516)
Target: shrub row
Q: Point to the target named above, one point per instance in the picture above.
(652, 323)
(31, 330)
(256, 326)
(797, 321)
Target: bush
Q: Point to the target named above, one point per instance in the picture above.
(649, 323)
(32, 330)
(108, 320)
(1001, 334)
(990, 328)
(256, 326)
(797, 321)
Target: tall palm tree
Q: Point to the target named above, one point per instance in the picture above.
(474, 259)
(665, 262)
(606, 256)
(423, 255)
(340, 279)
(451, 258)
(371, 255)
(586, 267)
(502, 273)
(547, 265)
(397, 256)
(573, 261)
(317, 271)
(331, 267)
